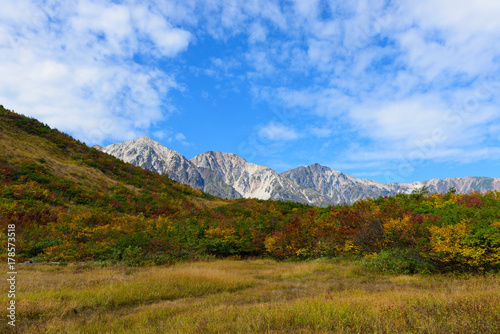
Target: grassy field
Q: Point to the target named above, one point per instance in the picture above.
(255, 296)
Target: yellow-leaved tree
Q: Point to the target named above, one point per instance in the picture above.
(457, 244)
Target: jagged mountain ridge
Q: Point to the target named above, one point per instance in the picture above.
(229, 176)
(255, 181)
(343, 188)
(221, 174)
(463, 185)
(339, 187)
(151, 155)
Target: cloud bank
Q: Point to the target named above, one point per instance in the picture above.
(71, 65)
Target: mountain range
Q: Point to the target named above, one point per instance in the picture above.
(229, 176)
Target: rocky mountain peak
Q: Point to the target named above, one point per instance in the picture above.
(226, 164)
(149, 154)
(317, 168)
(145, 139)
(141, 151)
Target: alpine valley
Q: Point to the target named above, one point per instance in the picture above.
(229, 176)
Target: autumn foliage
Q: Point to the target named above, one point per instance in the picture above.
(72, 203)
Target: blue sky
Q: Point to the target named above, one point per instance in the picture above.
(395, 91)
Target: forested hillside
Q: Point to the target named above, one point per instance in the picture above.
(70, 202)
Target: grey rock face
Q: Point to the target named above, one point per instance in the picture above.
(227, 175)
(342, 188)
(215, 185)
(339, 187)
(254, 181)
(148, 154)
(463, 185)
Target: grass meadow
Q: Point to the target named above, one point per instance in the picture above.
(251, 296)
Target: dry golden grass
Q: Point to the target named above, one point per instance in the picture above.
(207, 204)
(256, 296)
(31, 147)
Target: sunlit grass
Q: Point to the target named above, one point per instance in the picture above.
(257, 296)
(32, 147)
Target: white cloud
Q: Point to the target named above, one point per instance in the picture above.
(112, 22)
(321, 53)
(257, 33)
(324, 102)
(167, 39)
(77, 75)
(170, 136)
(262, 62)
(451, 37)
(407, 120)
(321, 132)
(308, 9)
(180, 137)
(278, 131)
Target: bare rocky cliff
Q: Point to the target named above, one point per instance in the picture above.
(255, 181)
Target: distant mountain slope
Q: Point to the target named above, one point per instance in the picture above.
(214, 184)
(254, 181)
(463, 185)
(343, 188)
(339, 187)
(221, 174)
(227, 175)
(151, 155)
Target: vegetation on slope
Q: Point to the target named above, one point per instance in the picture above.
(72, 203)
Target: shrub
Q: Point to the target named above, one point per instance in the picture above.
(132, 256)
(399, 261)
